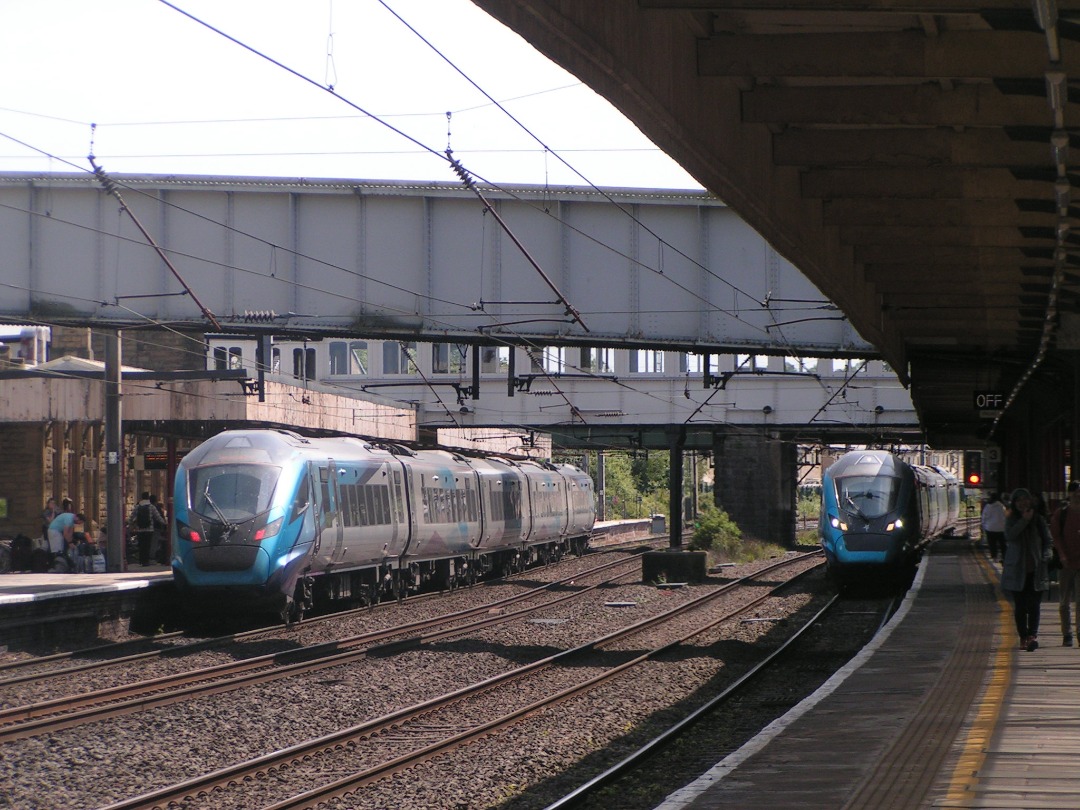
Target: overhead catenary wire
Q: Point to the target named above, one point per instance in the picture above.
(548, 150)
(435, 152)
(110, 187)
(524, 342)
(174, 7)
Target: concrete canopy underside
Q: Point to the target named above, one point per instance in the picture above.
(911, 157)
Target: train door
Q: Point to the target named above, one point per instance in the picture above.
(328, 534)
(399, 505)
(408, 500)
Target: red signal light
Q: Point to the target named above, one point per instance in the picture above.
(974, 479)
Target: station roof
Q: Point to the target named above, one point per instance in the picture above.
(912, 157)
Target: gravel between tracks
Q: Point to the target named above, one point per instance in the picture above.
(106, 761)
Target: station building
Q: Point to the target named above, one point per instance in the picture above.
(52, 416)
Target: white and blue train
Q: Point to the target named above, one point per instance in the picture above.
(275, 521)
(878, 514)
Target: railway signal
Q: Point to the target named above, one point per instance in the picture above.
(973, 470)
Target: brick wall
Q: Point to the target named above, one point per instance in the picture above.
(755, 485)
(157, 349)
(22, 479)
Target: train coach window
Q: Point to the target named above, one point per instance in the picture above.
(365, 504)
(472, 505)
(399, 498)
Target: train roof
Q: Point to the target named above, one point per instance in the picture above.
(867, 462)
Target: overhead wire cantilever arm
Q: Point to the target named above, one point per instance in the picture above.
(110, 186)
(466, 178)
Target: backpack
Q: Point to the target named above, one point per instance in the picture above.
(143, 518)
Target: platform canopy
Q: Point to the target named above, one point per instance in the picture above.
(914, 158)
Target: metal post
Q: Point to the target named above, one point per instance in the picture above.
(601, 486)
(114, 470)
(675, 487)
(1074, 438)
(476, 373)
(694, 477)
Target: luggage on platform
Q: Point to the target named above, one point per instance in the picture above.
(40, 561)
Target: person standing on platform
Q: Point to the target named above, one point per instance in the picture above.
(993, 526)
(145, 520)
(160, 549)
(1025, 573)
(59, 530)
(1065, 529)
(48, 515)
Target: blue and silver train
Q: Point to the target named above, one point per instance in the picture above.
(276, 521)
(878, 514)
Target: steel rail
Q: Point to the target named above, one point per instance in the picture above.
(260, 766)
(25, 721)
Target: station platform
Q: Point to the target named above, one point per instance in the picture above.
(57, 610)
(20, 588)
(942, 709)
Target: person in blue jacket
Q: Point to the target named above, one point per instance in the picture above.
(1025, 572)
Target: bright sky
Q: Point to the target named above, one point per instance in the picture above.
(169, 96)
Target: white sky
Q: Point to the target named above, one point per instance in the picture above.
(172, 97)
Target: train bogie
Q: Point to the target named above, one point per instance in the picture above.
(269, 518)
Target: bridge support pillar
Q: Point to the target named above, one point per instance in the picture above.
(756, 485)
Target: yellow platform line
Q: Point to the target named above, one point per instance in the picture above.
(976, 745)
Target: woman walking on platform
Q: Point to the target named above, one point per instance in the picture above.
(1025, 572)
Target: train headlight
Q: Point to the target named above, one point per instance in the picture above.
(890, 527)
(836, 523)
(896, 524)
(269, 530)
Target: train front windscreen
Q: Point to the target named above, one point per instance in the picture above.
(232, 493)
(868, 496)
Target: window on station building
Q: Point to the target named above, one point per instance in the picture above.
(275, 361)
(398, 357)
(695, 363)
(845, 364)
(554, 359)
(304, 364)
(803, 365)
(752, 362)
(646, 361)
(228, 358)
(599, 360)
(449, 358)
(494, 359)
(349, 357)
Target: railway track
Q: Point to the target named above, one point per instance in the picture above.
(181, 642)
(69, 710)
(370, 751)
(641, 771)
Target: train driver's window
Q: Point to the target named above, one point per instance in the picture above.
(870, 496)
(301, 500)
